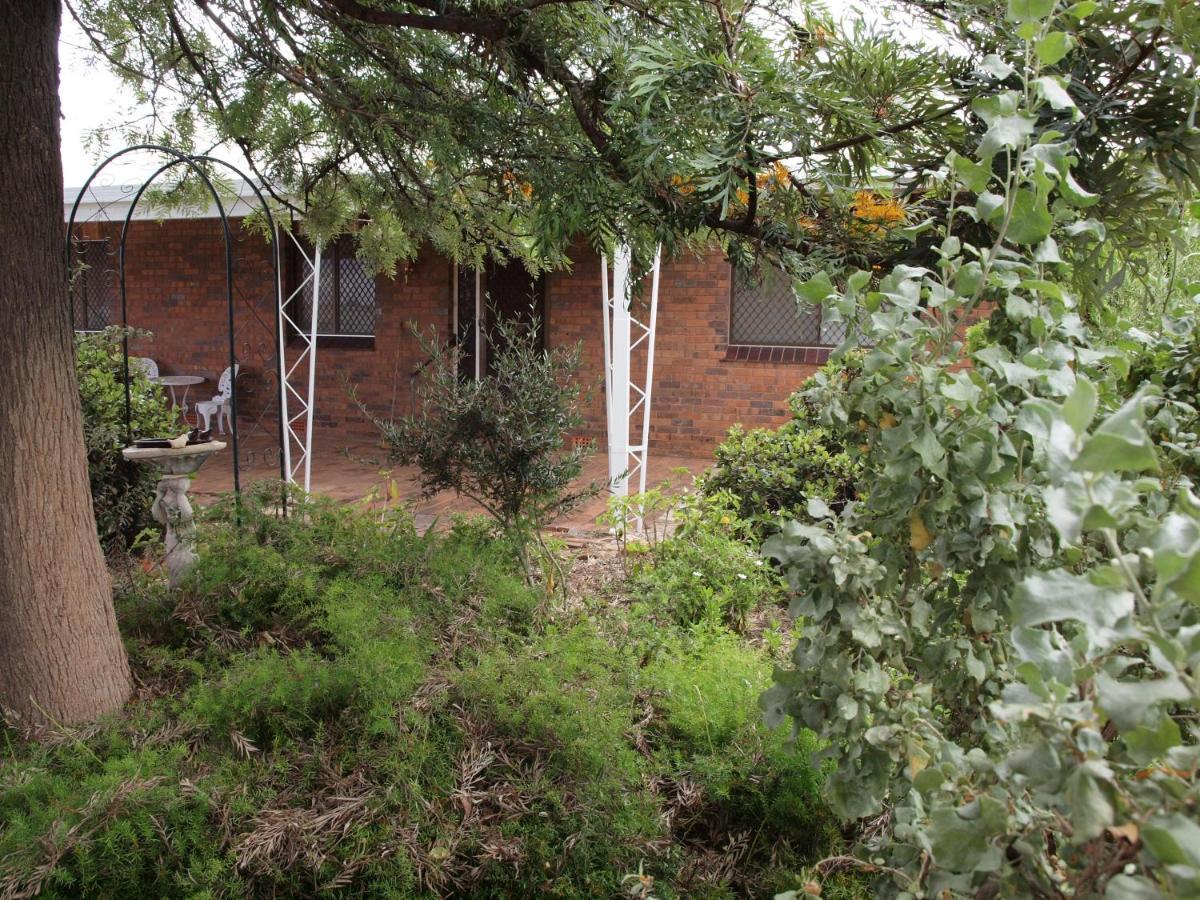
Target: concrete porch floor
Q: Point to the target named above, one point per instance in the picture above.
(357, 471)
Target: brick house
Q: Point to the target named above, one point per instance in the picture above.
(730, 346)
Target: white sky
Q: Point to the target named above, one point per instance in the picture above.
(92, 97)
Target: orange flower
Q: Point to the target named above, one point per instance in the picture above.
(683, 185)
(872, 208)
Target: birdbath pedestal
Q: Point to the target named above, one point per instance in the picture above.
(171, 505)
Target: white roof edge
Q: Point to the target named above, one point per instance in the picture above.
(110, 203)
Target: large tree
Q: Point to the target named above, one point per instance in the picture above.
(61, 658)
(517, 125)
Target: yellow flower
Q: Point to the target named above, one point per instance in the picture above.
(918, 534)
(878, 212)
(526, 189)
(742, 197)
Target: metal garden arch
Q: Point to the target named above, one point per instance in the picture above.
(197, 163)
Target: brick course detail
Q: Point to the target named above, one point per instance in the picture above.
(175, 286)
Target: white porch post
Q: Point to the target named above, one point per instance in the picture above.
(626, 458)
(297, 449)
(617, 330)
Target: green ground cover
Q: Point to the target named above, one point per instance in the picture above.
(337, 705)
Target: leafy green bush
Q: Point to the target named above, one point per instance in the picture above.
(708, 569)
(999, 651)
(499, 439)
(774, 471)
(121, 492)
(1170, 360)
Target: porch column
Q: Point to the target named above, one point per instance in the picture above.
(625, 392)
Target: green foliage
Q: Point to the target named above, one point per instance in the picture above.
(755, 122)
(1155, 283)
(335, 703)
(707, 570)
(1169, 359)
(568, 690)
(121, 492)
(998, 651)
(704, 688)
(500, 439)
(773, 472)
(266, 697)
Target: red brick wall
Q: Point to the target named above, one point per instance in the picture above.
(419, 294)
(176, 289)
(698, 393)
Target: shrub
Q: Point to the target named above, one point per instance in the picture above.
(334, 703)
(708, 569)
(569, 690)
(266, 697)
(999, 644)
(774, 471)
(710, 732)
(1170, 359)
(121, 491)
(498, 440)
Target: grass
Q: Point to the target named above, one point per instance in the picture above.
(336, 705)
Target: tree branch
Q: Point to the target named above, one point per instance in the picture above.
(447, 23)
(898, 128)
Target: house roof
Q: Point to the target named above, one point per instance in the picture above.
(110, 202)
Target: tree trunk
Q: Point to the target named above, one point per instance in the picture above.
(61, 658)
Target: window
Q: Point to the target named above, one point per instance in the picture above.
(347, 305)
(765, 312)
(93, 303)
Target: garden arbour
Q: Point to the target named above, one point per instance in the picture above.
(199, 167)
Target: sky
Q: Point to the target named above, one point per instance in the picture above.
(92, 97)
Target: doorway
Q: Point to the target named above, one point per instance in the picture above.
(496, 292)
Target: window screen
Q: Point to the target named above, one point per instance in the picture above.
(93, 292)
(348, 304)
(764, 311)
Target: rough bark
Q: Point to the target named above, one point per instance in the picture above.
(61, 658)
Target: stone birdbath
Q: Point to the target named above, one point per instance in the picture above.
(171, 505)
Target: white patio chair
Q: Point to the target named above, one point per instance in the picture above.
(221, 404)
(146, 364)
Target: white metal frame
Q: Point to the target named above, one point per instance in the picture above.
(297, 446)
(624, 396)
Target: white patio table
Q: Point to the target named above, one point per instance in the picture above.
(180, 381)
